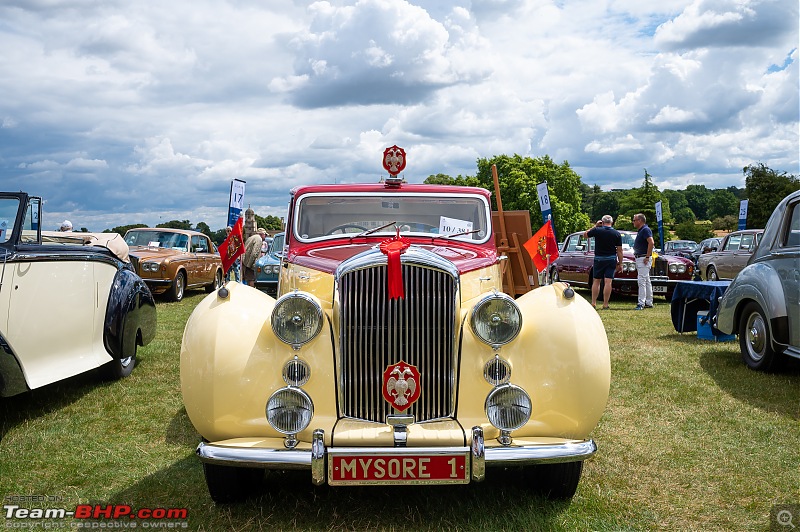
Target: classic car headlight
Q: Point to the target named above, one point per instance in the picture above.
(296, 319)
(149, 266)
(289, 410)
(681, 268)
(497, 371)
(628, 266)
(673, 268)
(508, 407)
(276, 268)
(496, 319)
(296, 372)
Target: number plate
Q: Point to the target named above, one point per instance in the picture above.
(411, 466)
(659, 289)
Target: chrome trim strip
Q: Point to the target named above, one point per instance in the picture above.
(255, 457)
(540, 454)
(315, 459)
(414, 255)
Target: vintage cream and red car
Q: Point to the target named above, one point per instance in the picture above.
(391, 355)
(173, 260)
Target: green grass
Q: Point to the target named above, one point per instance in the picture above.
(691, 439)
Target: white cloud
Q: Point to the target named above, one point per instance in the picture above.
(155, 107)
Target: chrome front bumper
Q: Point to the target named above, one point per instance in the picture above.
(314, 459)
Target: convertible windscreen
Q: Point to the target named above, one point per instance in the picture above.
(158, 239)
(320, 217)
(8, 216)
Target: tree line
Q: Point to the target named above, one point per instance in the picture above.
(693, 213)
(269, 222)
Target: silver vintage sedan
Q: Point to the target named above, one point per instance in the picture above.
(762, 303)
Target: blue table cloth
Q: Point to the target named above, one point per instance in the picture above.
(690, 297)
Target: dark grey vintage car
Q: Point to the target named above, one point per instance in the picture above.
(762, 304)
(69, 302)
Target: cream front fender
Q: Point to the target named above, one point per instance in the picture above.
(560, 357)
(231, 363)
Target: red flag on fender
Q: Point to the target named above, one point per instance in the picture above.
(542, 244)
(232, 247)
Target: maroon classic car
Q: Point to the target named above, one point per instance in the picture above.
(576, 257)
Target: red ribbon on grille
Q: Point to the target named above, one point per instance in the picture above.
(393, 248)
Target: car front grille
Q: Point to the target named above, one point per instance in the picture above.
(660, 267)
(377, 332)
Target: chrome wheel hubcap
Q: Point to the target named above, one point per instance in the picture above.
(756, 336)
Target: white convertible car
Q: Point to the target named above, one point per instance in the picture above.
(69, 302)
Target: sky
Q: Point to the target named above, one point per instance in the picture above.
(120, 112)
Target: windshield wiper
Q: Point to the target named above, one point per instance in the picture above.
(370, 231)
(453, 235)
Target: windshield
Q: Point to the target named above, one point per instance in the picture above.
(8, 217)
(684, 246)
(627, 240)
(159, 239)
(320, 217)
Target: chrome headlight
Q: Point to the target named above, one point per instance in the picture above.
(508, 407)
(276, 269)
(673, 268)
(149, 266)
(289, 410)
(628, 266)
(496, 319)
(296, 372)
(296, 319)
(681, 268)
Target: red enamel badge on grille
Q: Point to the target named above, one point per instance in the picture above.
(401, 385)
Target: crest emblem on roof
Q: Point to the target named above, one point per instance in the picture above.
(394, 160)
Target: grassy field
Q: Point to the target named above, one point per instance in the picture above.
(691, 439)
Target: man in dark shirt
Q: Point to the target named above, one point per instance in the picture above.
(607, 257)
(642, 251)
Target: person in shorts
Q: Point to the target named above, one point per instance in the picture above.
(607, 257)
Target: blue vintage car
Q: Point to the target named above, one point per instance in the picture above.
(268, 266)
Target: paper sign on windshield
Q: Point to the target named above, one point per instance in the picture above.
(3, 229)
(451, 226)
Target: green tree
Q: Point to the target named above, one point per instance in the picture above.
(693, 231)
(219, 236)
(122, 229)
(204, 228)
(269, 222)
(698, 198)
(677, 201)
(176, 224)
(643, 200)
(683, 214)
(518, 177)
(722, 202)
(765, 189)
(444, 179)
(725, 223)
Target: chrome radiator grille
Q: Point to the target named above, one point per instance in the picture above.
(377, 332)
(660, 267)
